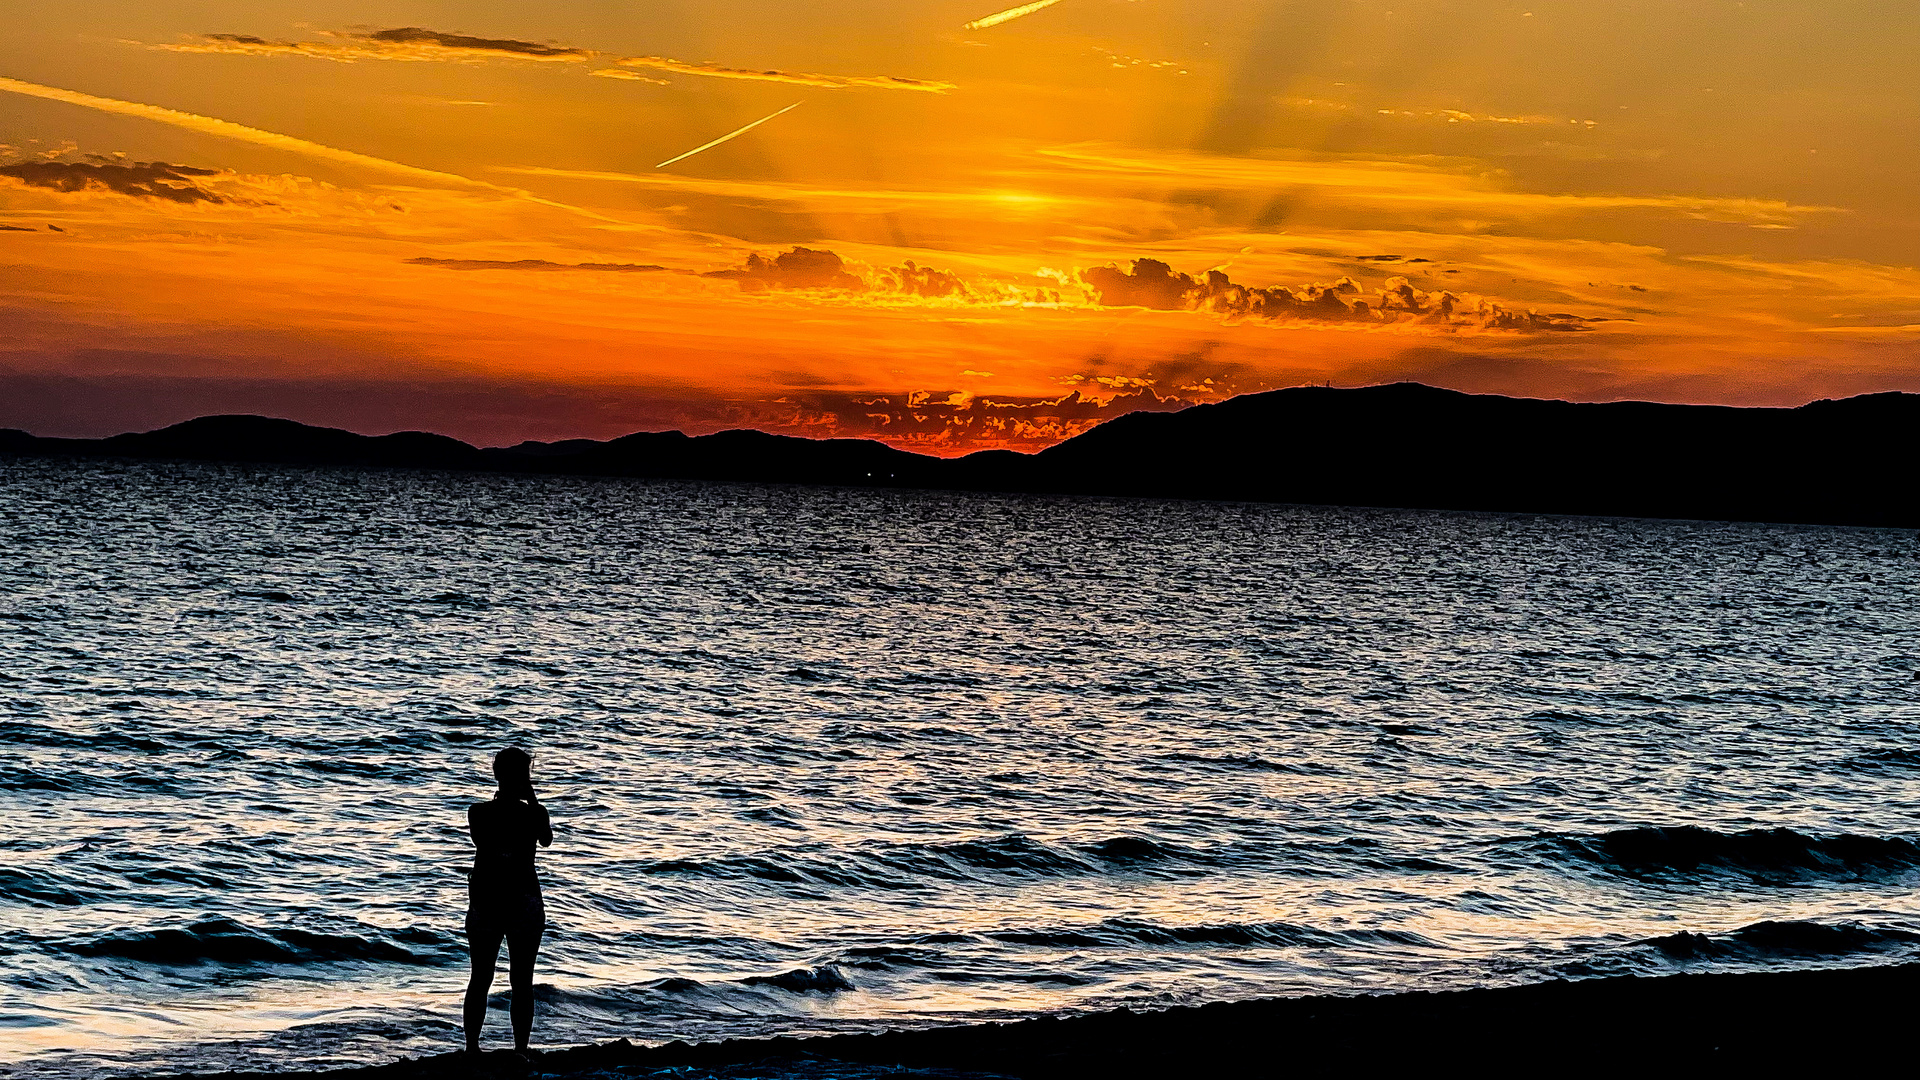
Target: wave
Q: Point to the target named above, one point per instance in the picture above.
(346, 764)
(1773, 856)
(1128, 851)
(1013, 853)
(226, 941)
(1013, 858)
(908, 866)
(1125, 933)
(779, 991)
(1889, 760)
(31, 734)
(1788, 940)
(38, 890)
(825, 979)
(1250, 763)
(14, 778)
(902, 957)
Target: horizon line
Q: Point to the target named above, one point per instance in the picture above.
(920, 453)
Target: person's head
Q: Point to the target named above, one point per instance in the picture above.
(513, 768)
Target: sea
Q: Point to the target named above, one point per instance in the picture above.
(826, 760)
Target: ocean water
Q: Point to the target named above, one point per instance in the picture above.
(824, 760)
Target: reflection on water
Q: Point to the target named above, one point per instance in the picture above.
(825, 759)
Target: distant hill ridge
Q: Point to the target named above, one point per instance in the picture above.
(1851, 461)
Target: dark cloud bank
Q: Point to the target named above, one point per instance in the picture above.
(414, 35)
(142, 179)
(810, 268)
(373, 44)
(1154, 284)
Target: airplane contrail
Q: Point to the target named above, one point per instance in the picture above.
(739, 132)
(208, 125)
(1009, 15)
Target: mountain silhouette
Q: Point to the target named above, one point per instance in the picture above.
(1850, 461)
(1409, 445)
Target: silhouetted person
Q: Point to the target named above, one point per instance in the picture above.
(503, 894)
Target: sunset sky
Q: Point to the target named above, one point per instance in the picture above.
(449, 214)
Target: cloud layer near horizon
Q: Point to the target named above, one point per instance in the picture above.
(1149, 284)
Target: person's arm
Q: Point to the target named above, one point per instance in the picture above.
(543, 825)
(473, 824)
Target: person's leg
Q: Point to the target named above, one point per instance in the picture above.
(483, 948)
(523, 947)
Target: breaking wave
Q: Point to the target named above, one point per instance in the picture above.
(1766, 942)
(228, 941)
(1767, 856)
(909, 866)
(1130, 933)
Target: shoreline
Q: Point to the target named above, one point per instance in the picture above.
(1825, 1017)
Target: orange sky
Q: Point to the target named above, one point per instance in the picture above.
(448, 215)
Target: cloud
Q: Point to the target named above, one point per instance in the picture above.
(16, 228)
(420, 44)
(798, 78)
(1153, 284)
(1458, 116)
(417, 38)
(810, 268)
(207, 125)
(142, 179)
(796, 268)
(1122, 60)
(535, 264)
(800, 268)
(922, 281)
(1150, 283)
(954, 421)
(630, 76)
(1407, 186)
(813, 197)
(944, 421)
(402, 43)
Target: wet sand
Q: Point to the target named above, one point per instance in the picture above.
(1763, 1021)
